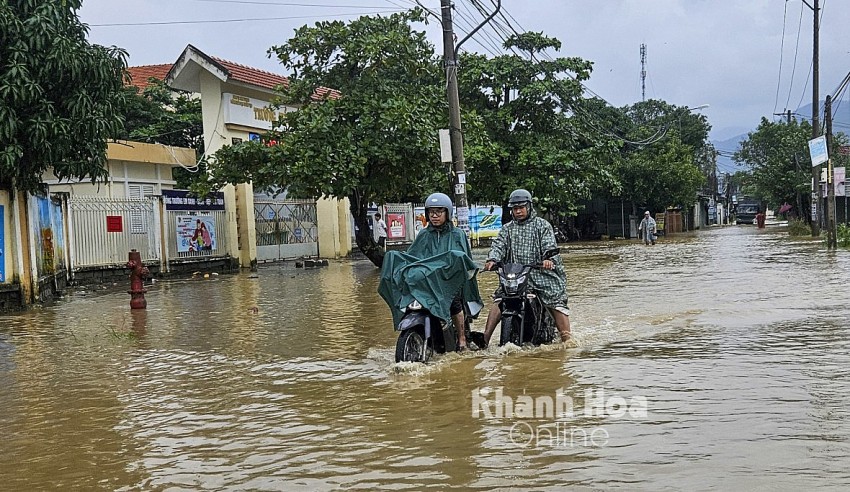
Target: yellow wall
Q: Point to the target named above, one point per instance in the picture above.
(334, 227)
(130, 162)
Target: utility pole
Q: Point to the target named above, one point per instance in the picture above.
(643, 72)
(815, 118)
(455, 134)
(831, 240)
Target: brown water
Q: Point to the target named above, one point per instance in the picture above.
(714, 361)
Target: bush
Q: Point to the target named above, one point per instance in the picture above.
(842, 235)
(799, 228)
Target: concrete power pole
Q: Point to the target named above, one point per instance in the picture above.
(831, 239)
(455, 134)
(643, 72)
(815, 120)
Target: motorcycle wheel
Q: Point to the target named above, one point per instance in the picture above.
(547, 331)
(410, 347)
(510, 331)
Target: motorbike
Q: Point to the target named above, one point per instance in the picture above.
(524, 317)
(422, 334)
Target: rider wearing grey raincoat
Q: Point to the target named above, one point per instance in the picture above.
(524, 240)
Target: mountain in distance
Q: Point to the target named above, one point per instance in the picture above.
(727, 140)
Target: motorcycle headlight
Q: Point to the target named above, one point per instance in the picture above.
(415, 306)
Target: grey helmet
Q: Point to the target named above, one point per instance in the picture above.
(439, 200)
(519, 197)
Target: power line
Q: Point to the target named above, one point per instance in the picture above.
(222, 21)
(781, 53)
(584, 116)
(796, 51)
(290, 4)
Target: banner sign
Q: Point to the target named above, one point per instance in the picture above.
(485, 221)
(195, 233)
(817, 149)
(395, 226)
(184, 200)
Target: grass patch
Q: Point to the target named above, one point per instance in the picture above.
(799, 228)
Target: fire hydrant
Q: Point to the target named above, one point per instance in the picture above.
(138, 273)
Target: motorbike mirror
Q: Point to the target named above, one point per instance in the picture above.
(551, 253)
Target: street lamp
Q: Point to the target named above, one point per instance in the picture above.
(695, 108)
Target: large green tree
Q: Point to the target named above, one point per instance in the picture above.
(375, 142)
(61, 97)
(526, 101)
(780, 166)
(665, 156)
(161, 115)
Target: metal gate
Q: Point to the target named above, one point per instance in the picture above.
(286, 229)
(102, 230)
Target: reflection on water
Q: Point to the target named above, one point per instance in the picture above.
(736, 339)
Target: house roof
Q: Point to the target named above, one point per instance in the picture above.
(139, 75)
(183, 74)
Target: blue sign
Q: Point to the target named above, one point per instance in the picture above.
(2, 245)
(818, 151)
(184, 200)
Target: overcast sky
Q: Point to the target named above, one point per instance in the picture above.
(725, 53)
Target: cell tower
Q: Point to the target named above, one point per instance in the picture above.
(643, 72)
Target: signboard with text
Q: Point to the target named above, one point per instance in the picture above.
(114, 223)
(249, 112)
(395, 226)
(817, 150)
(184, 200)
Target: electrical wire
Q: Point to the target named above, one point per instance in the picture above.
(289, 4)
(796, 51)
(504, 29)
(222, 21)
(781, 53)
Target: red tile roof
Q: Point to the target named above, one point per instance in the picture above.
(253, 76)
(140, 75)
(235, 71)
(269, 80)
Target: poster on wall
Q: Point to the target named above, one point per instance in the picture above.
(395, 225)
(195, 233)
(485, 221)
(419, 220)
(58, 226)
(44, 253)
(2, 244)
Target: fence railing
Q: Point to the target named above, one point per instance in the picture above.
(281, 222)
(102, 230)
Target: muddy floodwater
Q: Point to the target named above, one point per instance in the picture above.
(713, 361)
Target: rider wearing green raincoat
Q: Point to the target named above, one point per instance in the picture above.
(437, 270)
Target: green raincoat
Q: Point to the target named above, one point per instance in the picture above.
(435, 267)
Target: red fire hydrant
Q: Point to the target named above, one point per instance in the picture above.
(138, 273)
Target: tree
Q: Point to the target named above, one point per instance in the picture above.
(162, 115)
(525, 104)
(374, 143)
(60, 97)
(780, 165)
(666, 157)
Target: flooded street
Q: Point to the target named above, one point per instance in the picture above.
(719, 360)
